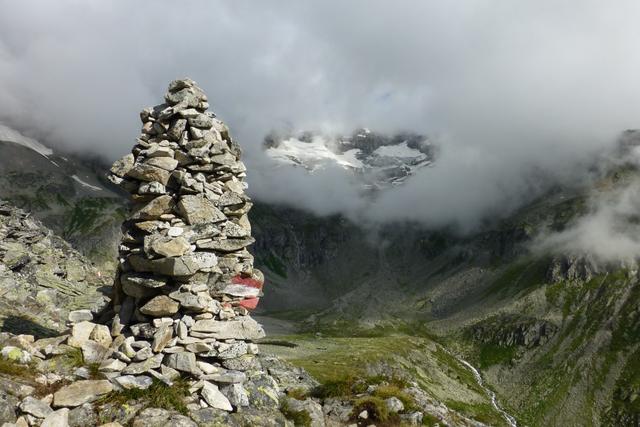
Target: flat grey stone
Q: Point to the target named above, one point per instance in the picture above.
(80, 392)
(242, 328)
(128, 382)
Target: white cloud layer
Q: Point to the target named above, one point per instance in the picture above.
(609, 233)
(510, 90)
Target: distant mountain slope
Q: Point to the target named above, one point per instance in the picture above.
(555, 332)
(67, 193)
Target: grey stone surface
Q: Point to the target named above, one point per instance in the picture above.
(80, 392)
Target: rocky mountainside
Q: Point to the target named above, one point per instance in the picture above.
(520, 314)
(377, 161)
(68, 194)
(42, 278)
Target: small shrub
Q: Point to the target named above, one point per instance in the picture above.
(73, 358)
(430, 420)
(158, 395)
(300, 418)
(94, 371)
(340, 388)
(375, 406)
(298, 393)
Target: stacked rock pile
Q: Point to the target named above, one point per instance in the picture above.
(186, 281)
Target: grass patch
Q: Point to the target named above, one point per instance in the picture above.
(299, 418)
(349, 357)
(387, 391)
(158, 395)
(298, 393)
(341, 387)
(430, 420)
(482, 412)
(94, 371)
(9, 367)
(458, 371)
(73, 358)
(519, 277)
(87, 214)
(492, 354)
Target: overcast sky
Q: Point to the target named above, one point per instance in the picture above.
(509, 90)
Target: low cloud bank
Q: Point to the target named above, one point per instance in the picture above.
(510, 92)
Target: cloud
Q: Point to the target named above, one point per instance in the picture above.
(609, 233)
(510, 91)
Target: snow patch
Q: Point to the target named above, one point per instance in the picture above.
(12, 135)
(85, 184)
(314, 154)
(399, 150)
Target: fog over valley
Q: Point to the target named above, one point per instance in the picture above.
(508, 93)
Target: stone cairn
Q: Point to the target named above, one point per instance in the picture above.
(186, 281)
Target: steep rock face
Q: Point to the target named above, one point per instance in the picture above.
(42, 277)
(308, 261)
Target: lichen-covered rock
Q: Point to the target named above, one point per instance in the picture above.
(156, 417)
(42, 278)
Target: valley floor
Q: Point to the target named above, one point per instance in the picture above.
(451, 386)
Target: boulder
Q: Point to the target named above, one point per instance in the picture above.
(80, 332)
(199, 210)
(166, 163)
(127, 382)
(214, 397)
(160, 306)
(184, 362)
(59, 418)
(81, 392)
(93, 352)
(15, 354)
(146, 172)
(162, 337)
(394, 404)
(155, 417)
(102, 335)
(155, 208)
(35, 407)
(243, 328)
(227, 245)
(123, 166)
(169, 247)
(236, 394)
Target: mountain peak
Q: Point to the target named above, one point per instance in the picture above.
(379, 161)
